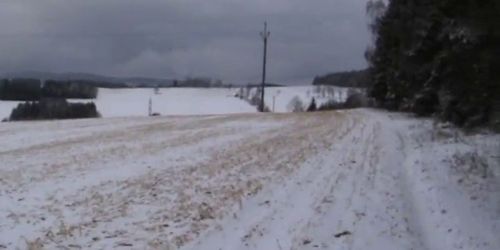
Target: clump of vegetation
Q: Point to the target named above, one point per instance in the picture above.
(53, 109)
(295, 105)
(245, 93)
(356, 100)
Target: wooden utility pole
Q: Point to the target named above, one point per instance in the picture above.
(150, 107)
(265, 35)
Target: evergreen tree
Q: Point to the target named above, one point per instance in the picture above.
(312, 107)
(436, 57)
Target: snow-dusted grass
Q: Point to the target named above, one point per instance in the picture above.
(360, 179)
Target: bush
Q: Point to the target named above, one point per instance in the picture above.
(425, 103)
(53, 109)
(295, 105)
(255, 100)
(355, 100)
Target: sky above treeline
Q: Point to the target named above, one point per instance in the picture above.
(184, 38)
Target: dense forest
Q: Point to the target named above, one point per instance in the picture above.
(437, 58)
(355, 78)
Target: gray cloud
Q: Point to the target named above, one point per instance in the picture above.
(175, 39)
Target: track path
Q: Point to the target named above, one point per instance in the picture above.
(349, 194)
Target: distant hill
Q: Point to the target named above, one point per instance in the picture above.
(97, 80)
(355, 78)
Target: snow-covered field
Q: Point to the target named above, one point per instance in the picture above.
(168, 101)
(359, 179)
(196, 101)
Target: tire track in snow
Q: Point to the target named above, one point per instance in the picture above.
(352, 186)
(267, 224)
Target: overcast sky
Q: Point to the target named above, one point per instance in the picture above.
(176, 39)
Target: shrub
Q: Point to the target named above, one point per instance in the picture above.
(295, 105)
(425, 103)
(255, 100)
(355, 100)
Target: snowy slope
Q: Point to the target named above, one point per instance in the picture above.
(169, 101)
(358, 179)
(6, 107)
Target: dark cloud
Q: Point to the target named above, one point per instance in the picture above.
(166, 38)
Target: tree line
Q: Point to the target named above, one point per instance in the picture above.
(353, 79)
(34, 89)
(437, 58)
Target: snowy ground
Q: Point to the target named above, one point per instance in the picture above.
(168, 101)
(359, 179)
(6, 107)
(196, 101)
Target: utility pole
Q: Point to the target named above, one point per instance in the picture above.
(265, 35)
(274, 102)
(150, 108)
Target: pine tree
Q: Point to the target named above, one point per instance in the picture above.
(437, 57)
(312, 107)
